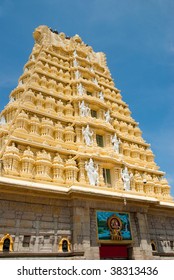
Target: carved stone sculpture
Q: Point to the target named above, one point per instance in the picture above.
(87, 135)
(92, 172)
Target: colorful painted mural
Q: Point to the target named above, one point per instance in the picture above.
(113, 227)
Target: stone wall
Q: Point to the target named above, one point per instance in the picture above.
(161, 230)
(37, 225)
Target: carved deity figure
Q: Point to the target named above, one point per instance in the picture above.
(126, 177)
(95, 82)
(92, 70)
(101, 95)
(87, 134)
(80, 89)
(75, 53)
(107, 116)
(75, 62)
(32, 57)
(84, 110)
(2, 120)
(116, 143)
(92, 172)
(11, 100)
(77, 75)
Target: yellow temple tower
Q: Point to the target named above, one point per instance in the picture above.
(77, 179)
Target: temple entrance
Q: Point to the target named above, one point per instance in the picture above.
(114, 252)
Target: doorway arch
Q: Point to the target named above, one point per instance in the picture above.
(6, 243)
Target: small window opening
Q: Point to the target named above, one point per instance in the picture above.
(89, 93)
(6, 245)
(107, 176)
(65, 246)
(99, 140)
(93, 114)
(153, 246)
(26, 241)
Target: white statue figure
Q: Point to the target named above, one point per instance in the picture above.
(101, 95)
(80, 89)
(32, 57)
(87, 134)
(116, 143)
(20, 83)
(2, 120)
(75, 63)
(77, 75)
(95, 82)
(126, 178)
(11, 100)
(75, 53)
(92, 172)
(84, 110)
(107, 116)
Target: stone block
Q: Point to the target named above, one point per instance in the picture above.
(29, 216)
(64, 226)
(63, 219)
(7, 223)
(47, 218)
(43, 225)
(26, 224)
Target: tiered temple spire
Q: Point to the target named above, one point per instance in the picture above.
(66, 123)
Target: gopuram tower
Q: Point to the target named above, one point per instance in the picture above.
(76, 176)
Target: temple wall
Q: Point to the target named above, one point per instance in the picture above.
(45, 221)
(161, 228)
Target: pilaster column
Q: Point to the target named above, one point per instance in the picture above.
(82, 178)
(108, 140)
(78, 135)
(16, 244)
(38, 238)
(117, 182)
(76, 109)
(144, 251)
(94, 138)
(81, 230)
(100, 173)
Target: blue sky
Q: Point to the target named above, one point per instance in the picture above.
(137, 38)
